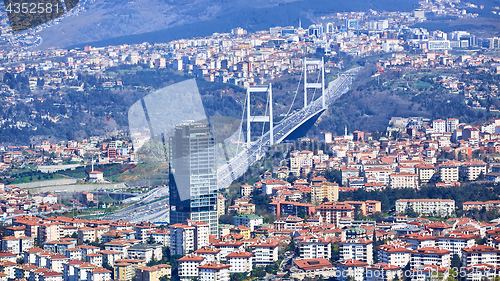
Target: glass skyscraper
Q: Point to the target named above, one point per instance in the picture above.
(193, 182)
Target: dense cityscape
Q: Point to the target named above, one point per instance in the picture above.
(418, 200)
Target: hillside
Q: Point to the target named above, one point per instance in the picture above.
(112, 22)
(374, 100)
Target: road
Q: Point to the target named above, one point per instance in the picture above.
(151, 206)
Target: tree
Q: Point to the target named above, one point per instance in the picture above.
(456, 261)
(238, 276)
(109, 267)
(292, 247)
(226, 219)
(151, 240)
(335, 252)
(256, 272)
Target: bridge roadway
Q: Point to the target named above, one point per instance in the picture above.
(237, 166)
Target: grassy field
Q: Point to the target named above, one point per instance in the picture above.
(37, 177)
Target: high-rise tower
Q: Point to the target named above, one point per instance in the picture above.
(193, 185)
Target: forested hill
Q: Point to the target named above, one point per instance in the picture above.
(98, 111)
(375, 99)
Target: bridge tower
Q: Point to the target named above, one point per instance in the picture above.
(262, 118)
(316, 85)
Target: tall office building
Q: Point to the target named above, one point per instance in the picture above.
(193, 185)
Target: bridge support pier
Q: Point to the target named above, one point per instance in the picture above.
(316, 85)
(262, 118)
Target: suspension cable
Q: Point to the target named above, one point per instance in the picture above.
(294, 97)
(241, 126)
(265, 113)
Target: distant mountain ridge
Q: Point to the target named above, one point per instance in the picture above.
(112, 22)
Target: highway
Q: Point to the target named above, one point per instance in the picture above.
(237, 166)
(152, 206)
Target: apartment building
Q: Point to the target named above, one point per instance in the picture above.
(246, 190)
(380, 175)
(417, 240)
(403, 180)
(265, 252)
(314, 247)
(439, 126)
(448, 172)
(473, 169)
(214, 272)
(425, 172)
(188, 236)
(430, 256)
(368, 207)
(351, 269)
(480, 272)
(240, 261)
(372, 207)
(188, 265)
(324, 190)
(248, 220)
(451, 124)
(480, 254)
(394, 255)
(334, 213)
(228, 246)
(455, 242)
(430, 207)
(383, 272)
(359, 249)
(347, 173)
(142, 229)
(210, 255)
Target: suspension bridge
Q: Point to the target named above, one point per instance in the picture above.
(313, 108)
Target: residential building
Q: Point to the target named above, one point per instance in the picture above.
(248, 220)
(324, 191)
(146, 252)
(448, 172)
(351, 268)
(430, 256)
(430, 207)
(335, 213)
(312, 268)
(403, 180)
(214, 272)
(314, 247)
(188, 236)
(480, 254)
(455, 242)
(394, 255)
(188, 265)
(265, 252)
(417, 240)
(240, 261)
(425, 172)
(473, 169)
(383, 272)
(359, 249)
